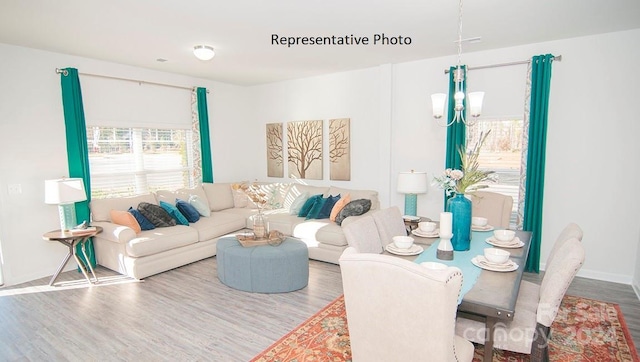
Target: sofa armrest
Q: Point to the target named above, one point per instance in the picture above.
(114, 232)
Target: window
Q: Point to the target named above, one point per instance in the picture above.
(134, 161)
(501, 152)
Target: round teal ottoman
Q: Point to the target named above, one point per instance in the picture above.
(264, 268)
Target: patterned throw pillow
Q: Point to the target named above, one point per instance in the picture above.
(201, 206)
(189, 212)
(328, 206)
(158, 216)
(124, 218)
(145, 224)
(175, 213)
(354, 208)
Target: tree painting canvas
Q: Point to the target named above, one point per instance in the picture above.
(304, 149)
(339, 149)
(275, 150)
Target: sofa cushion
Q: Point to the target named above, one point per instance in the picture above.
(319, 230)
(218, 224)
(158, 216)
(340, 204)
(182, 194)
(101, 208)
(124, 218)
(304, 210)
(190, 213)
(354, 208)
(144, 223)
(296, 189)
(200, 205)
(159, 240)
(174, 212)
(219, 195)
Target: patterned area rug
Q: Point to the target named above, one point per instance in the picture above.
(584, 330)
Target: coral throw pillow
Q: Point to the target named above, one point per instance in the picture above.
(124, 218)
(339, 205)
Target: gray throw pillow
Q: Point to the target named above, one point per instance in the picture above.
(354, 208)
(158, 216)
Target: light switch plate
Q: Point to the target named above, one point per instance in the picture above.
(14, 189)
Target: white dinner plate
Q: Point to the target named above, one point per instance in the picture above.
(482, 228)
(434, 234)
(483, 263)
(413, 250)
(513, 244)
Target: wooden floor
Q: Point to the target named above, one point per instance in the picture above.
(185, 314)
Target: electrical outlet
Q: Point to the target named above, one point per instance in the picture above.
(14, 189)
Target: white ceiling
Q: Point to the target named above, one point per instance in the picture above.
(138, 32)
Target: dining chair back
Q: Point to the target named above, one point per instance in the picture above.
(536, 308)
(572, 230)
(493, 206)
(398, 310)
(362, 235)
(389, 223)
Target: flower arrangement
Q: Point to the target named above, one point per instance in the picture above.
(254, 192)
(467, 178)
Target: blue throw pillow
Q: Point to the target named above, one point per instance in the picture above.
(174, 212)
(145, 224)
(304, 210)
(186, 209)
(328, 205)
(316, 208)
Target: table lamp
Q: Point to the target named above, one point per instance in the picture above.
(64, 193)
(411, 184)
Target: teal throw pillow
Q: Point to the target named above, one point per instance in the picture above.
(144, 223)
(316, 208)
(186, 209)
(304, 210)
(174, 212)
(328, 205)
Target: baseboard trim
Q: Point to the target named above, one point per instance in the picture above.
(636, 288)
(598, 275)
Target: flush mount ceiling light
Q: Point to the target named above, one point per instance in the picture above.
(475, 98)
(203, 52)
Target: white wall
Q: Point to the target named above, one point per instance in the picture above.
(33, 147)
(592, 149)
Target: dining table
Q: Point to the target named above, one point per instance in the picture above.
(486, 295)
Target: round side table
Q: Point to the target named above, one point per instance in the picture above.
(71, 240)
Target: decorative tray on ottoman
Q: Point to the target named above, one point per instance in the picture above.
(247, 239)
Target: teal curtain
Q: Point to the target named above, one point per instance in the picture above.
(77, 150)
(534, 194)
(456, 132)
(205, 143)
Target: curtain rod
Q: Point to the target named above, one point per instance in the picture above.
(556, 58)
(65, 72)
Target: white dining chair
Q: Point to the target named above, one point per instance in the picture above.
(493, 206)
(362, 234)
(398, 310)
(572, 230)
(536, 308)
(389, 223)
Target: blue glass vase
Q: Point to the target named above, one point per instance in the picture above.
(460, 208)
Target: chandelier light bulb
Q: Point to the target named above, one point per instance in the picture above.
(203, 52)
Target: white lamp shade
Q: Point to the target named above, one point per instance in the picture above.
(437, 102)
(412, 182)
(475, 103)
(203, 52)
(64, 191)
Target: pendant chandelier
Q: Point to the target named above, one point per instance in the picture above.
(438, 100)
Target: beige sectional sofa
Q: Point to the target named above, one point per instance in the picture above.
(150, 252)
